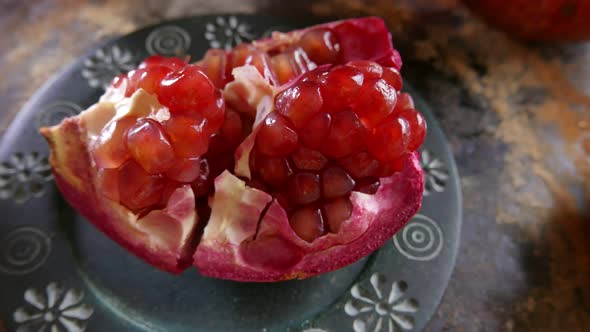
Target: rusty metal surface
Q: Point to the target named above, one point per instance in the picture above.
(517, 116)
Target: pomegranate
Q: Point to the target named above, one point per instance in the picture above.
(547, 20)
(280, 159)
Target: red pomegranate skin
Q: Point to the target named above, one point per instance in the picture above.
(543, 20)
(256, 243)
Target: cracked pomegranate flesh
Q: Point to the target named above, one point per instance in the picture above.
(280, 159)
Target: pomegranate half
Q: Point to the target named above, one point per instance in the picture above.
(280, 159)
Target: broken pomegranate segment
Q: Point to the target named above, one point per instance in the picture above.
(284, 158)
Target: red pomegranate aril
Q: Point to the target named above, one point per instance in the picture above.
(336, 182)
(307, 223)
(232, 129)
(110, 149)
(336, 211)
(187, 136)
(273, 171)
(214, 66)
(360, 165)
(187, 89)
(283, 69)
(367, 185)
(240, 53)
(137, 188)
(299, 103)
(158, 60)
(108, 183)
(370, 69)
(184, 170)
(146, 78)
(284, 200)
(345, 137)
(119, 80)
(340, 88)
(392, 77)
(301, 61)
(149, 146)
(304, 188)
(375, 102)
(388, 169)
(214, 112)
(404, 101)
(321, 45)
(389, 141)
(308, 160)
(261, 61)
(275, 137)
(417, 127)
(316, 130)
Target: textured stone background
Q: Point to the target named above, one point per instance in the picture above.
(517, 116)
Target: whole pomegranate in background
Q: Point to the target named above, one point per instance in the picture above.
(544, 20)
(280, 159)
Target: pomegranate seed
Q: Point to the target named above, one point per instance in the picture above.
(108, 183)
(309, 160)
(300, 61)
(417, 127)
(110, 149)
(316, 130)
(307, 223)
(369, 68)
(336, 182)
(345, 137)
(202, 183)
(299, 103)
(388, 169)
(273, 171)
(187, 136)
(214, 112)
(261, 61)
(404, 101)
(214, 66)
(283, 69)
(284, 200)
(276, 138)
(337, 211)
(120, 83)
(184, 170)
(137, 188)
(239, 55)
(187, 89)
(388, 141)
(168, 190)
(321, 45)
(146, 78)
(158, 60)
(304, 188)
(392, 77)
(375, 102)
(360, 165)
(341, 87)
(367, 185)
(231, 129)
(316, 76)
(149, 146)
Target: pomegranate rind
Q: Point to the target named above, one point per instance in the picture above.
(375, 219)
(163, 238)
